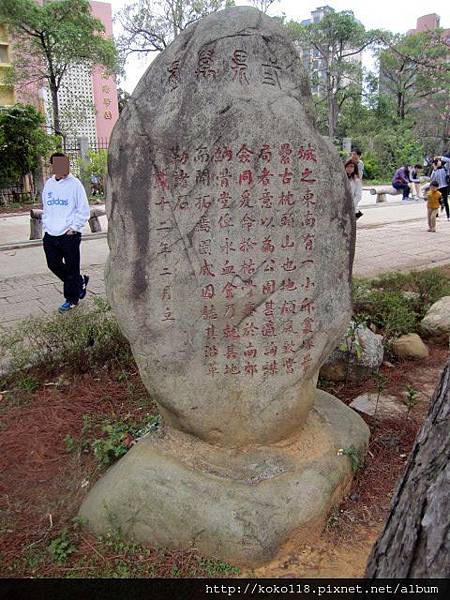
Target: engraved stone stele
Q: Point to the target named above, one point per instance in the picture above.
(231, 237)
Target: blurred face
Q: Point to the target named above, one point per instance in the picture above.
(350, 168)
(354, 157)
(60, 166)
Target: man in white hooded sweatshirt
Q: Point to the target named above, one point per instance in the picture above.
(66, 211)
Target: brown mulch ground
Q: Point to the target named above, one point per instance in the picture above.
(42, 483)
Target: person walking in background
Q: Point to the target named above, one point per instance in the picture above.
(66, 211)
(440, 175)
(351, 168)
(433, 203)
(401, 181)
(355, 157)
(415, 180)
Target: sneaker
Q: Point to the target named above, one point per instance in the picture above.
(358, 215)
(84, 286)
(66, 307)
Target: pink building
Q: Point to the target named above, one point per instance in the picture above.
(427, 23)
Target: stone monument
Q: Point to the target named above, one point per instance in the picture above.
(231, 235)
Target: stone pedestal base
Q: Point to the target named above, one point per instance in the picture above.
(241, 505)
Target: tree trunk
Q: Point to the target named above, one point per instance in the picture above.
(416, 538)
(55, 106)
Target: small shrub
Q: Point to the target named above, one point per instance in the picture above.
(83, 338)
(61, 547)
(356, 461)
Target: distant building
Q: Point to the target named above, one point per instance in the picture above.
(428, 23)
(312, 60)
(87, 99)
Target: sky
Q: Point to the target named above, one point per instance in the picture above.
(395, 15)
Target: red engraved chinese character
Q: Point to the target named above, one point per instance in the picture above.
(182, 203)
(268, 329)
(271, 350)
(250, 329)
(228, 290)
(246, 177)
(287, 243)
(202, 176)
(250, 369)
(249, 309)
(250, 351)
(250, 287)
(269, 308)
(231, 353)
(248, 266)
(270, 265)
(180, 178)
(230, 311)
(224, 177)
(308, 325)
(161, 180)
(245, 154)
(232, 369)
(287, 220)
(266, 199)
(285, 154)
(286, 199)
(212, 369)
(247, 245)
(307, 154)
(289, 265)
(203, 202)
(231, 332)
(209, 313)
(307, 305)
(308, 199)
(306, 176)
(228, 268)
(248, 221)
(288, 327)
(225, 221)
(221, 154)
(266, 153)
(308, 343)
(270, 368)
(204, 224)
(239, 65)
(309, 220)
(205, 64)
(162, 203)
(211, 332)
(267, 245)
(228, 247)
(168, 315)
(245, 200)
(306, 362)
(208, 291)
(224, 199)
(204, 247)
(308, 240)
(211, 351)
(288, 308)
(286, 177)
(267, 222)
(268, 287)
(206, 269)
(289, 363)
(265, 176)
(288, 285)
(289, 347)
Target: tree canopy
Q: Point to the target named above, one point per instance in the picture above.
(57, 35)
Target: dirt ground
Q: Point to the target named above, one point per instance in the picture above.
(48, 424)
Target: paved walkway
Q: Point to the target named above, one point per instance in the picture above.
(391, 237)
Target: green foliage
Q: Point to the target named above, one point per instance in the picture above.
(61, 547)
(119, 437)
(56, 34)
(410, 397)
(356, 461)
(217, 568)
(22, 142)
(79, 340)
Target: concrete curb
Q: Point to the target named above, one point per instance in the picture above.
(34, 243)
